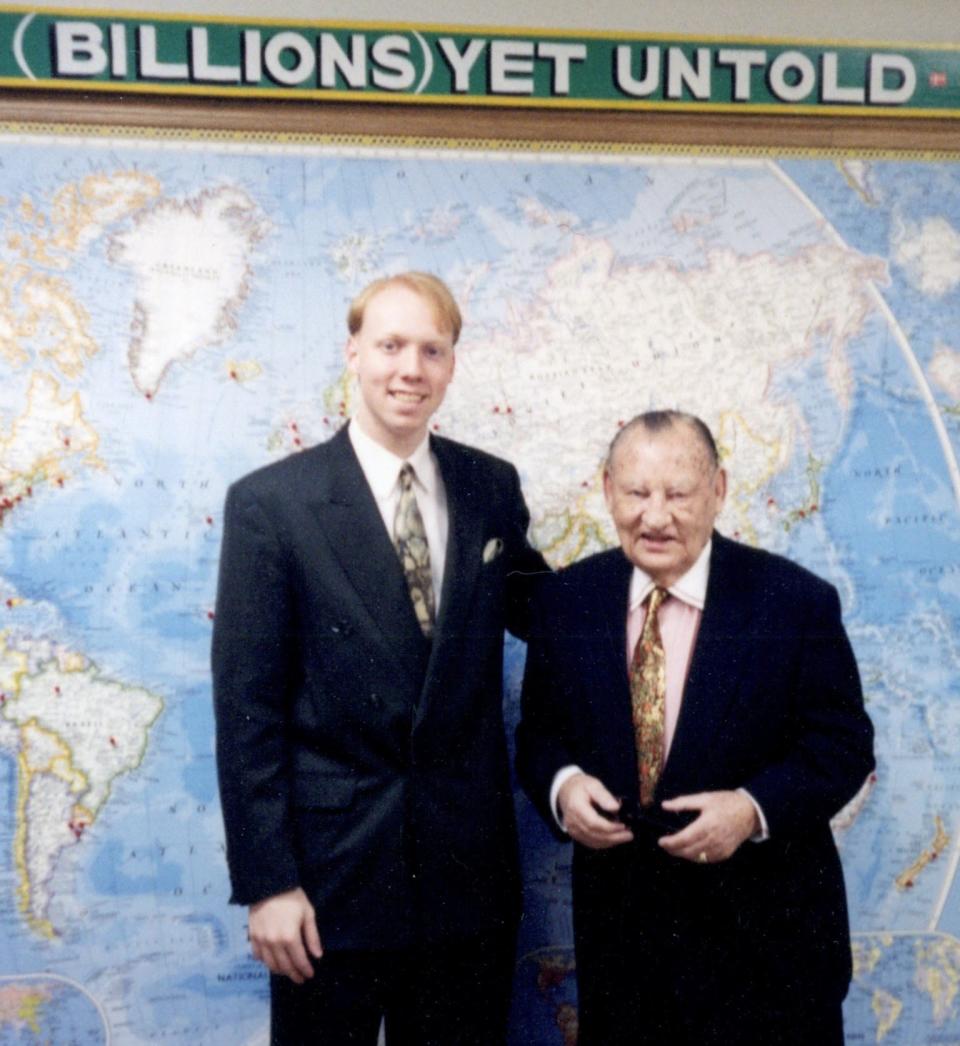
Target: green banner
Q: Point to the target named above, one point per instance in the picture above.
(179, 54)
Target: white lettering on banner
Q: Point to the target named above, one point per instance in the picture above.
(203, 70)
(394, 70)
(511, 67)
(151, 68)
(681, 73)
(252, 56)
(741, 61)
(304, 61)
(118, 51)
(461, 63)
(804, 76)
(78, 49)
(625, 80)
(482, 67)
(333, 59)
(831, 90)
(561, 55)
(878, 93)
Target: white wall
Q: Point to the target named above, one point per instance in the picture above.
(889, 21)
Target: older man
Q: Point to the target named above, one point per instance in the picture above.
(693, 719)
(357, 657)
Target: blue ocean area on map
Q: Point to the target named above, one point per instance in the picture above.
(172, 316)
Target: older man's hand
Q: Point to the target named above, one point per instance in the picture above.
(580, 799)
(726, 820)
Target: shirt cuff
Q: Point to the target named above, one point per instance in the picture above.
(559, 779)
(758, 837)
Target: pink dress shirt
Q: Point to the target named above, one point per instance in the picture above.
(679, 617)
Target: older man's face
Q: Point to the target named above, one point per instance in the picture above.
(664, 494)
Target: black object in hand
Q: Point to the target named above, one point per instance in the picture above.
(648, 819)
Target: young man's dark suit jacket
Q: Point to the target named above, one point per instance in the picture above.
(741, 951)
(356, 759)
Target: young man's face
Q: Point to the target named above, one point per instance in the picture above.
(403, 362)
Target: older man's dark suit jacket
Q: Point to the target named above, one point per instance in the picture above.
(356, 759)
(773, 704)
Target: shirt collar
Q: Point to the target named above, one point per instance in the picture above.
(382, 467)
(691, 588)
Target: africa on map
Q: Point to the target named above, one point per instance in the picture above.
(172, 315)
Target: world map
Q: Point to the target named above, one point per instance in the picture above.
(172, 316)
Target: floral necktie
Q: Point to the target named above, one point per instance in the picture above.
(410, 541)
(648, 695)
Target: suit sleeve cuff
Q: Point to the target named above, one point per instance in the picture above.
(764, 833)
(559, 779)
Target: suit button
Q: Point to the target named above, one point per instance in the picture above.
(374, 701)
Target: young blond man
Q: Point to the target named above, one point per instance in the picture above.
(365, 585)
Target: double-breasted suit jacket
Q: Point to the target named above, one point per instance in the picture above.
(772, 703)
(358, 760)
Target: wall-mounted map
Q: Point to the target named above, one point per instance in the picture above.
(172, 316)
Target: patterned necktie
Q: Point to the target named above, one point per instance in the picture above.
(410, 541)
(648, 695)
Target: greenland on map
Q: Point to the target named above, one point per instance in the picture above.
(172, 315)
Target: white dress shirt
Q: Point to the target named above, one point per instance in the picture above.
(381, 469)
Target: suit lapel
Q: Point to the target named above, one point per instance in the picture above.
(463, 557)
(720, 656)
(610, 682)
(613, 602)
(465, 537)
(358, 540)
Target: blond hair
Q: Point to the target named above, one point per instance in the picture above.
(432, 288)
